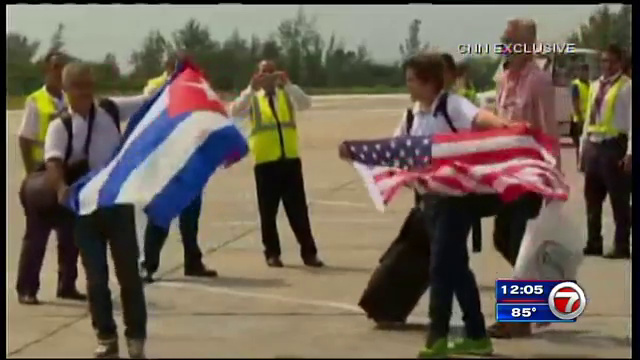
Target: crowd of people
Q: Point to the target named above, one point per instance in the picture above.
(66, 132)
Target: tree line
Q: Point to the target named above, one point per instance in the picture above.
(310, 60)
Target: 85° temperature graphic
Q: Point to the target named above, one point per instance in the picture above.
(539, 301)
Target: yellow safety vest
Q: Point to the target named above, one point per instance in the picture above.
(47, 112)
(583, 90)
(273, 138)
(155, 83)
(605, 124)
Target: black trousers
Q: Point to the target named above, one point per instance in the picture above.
(282, 181)
(575, 131)
(511, 223)
(34, 245)
(155, 237)
(114, 226)
(604, 176)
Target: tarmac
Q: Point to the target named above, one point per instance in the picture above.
(252, 311)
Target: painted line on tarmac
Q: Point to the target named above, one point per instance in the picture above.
(259, 295)
(339, 203)
(206, 251)
(313, 219)
(456, 318)
(75, 320)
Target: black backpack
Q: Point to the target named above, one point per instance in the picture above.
(441, 108)
(108, 106)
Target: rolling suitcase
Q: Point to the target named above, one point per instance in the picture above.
(402, 276)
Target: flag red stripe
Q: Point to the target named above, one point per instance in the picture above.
(506, 161)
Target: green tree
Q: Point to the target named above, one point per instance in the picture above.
(57, 39)
(148, 61)
(107, 73)
(271, 50)
(195, 40)
(480, 70)
(20, 49)
(603, 28)
(412, 43)
(235, 60)
(23, 76)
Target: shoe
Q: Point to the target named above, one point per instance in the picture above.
(107, 349)
(136, 348)
(201, 272)
(509, 330)
(313, 261)
(71, 294)
(592, 251)
(467, 346)
(147, 277)
(618, 254)
(28, 300)
(439, 349)
(274, 262)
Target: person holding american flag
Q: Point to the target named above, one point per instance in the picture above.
(454, 192)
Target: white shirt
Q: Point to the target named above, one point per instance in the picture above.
(105, 138)
(30, 125)
(621, 113)
(241, 106)
(462, 113)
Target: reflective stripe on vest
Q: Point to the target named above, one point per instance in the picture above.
(605, 124)
(583, 90)
(264, 139)
(47, 112)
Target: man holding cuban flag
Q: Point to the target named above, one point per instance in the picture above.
(171, 147)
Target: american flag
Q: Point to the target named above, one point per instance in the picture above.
(509, 162)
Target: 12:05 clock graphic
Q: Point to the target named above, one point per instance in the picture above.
(539, 300)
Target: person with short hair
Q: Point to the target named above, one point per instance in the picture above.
(271, 102)
(80, 140)
(606, 154)
(448, 218)
(155, 236)
(42, 106)
(526, 94)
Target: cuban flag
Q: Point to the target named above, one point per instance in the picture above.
(170, 148)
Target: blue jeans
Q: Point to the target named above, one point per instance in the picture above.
(113, 226)
(449, 220)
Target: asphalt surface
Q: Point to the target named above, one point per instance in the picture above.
(255, 311)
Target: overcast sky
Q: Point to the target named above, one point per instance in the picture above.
(93, 30)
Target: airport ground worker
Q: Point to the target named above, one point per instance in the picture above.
(42, 107)
(606, 153)
(580, 101)
(155, 236)
(271, 102)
